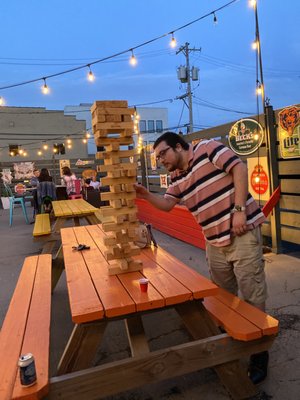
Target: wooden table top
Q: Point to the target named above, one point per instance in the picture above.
(71, 208)
(93, 294)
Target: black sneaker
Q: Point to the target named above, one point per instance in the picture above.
(258, 367)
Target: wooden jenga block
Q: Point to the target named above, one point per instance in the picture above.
(109, 104)
(117, 196)
(113, 160)
(114, 146)
(115, 188)
(109, 211)
(115, 203)
(102, 155)
(118, 181)
(130, 203)
(120, 267)
(118, 167)
(104, 141)
(129, 187)
(118, 127)
(113, 227)
(114, 174)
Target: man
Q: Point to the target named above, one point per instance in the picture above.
(35, 179)
(213, 183)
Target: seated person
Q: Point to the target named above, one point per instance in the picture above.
(46, 191)
(95, 183)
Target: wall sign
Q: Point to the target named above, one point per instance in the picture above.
(245, 136)
(289, 132)
(258, 178)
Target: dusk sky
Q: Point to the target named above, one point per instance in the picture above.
(41, 38)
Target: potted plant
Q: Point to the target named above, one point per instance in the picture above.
(4, 198)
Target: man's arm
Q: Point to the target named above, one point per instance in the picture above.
(240, 181)
(163, 203)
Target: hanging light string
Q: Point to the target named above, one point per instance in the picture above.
(130, 50)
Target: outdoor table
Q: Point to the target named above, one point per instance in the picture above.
(73, 209)
(97, 298)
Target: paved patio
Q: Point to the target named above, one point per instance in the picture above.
(283, 274)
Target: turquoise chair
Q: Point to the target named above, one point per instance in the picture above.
(15, 200)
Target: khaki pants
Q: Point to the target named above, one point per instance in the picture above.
(240, 266)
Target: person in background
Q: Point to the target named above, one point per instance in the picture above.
(212, 182)
(68, 180)
(94, 183)
(35, 179)
(46, 191)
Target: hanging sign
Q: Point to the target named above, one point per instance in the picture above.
(163, 181)
(289, 132)
(245, 136)
(258, 178)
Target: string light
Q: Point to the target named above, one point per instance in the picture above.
(254, 44)
(25, 154)
(69, 141)
(2, 101)
(21, 151)
(173, 42)
(133, 60)
(91, 76)
(84, 141)
(55, 150)
(45, 88)
(87, 135)
(45, 147)
(215, 18)
(69, 146)
(259, 88)
(11, 153)
(252, 3)
(39, 153)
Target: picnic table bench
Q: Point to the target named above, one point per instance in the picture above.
(26, 329)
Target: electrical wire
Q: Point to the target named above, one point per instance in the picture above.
(119, 53)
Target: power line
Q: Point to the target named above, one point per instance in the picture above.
(130, 50)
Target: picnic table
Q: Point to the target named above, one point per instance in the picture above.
(73, 209)
(97, 298)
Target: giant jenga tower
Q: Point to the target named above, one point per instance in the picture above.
(113, 130)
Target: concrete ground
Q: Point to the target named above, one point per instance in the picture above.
(283, 275)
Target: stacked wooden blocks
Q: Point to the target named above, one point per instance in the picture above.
(113, 129)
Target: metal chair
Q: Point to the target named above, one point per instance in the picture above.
(15, 200)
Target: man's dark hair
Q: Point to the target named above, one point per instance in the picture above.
(88, 181)
(171, 139)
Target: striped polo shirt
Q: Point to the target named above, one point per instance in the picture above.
(206, 188)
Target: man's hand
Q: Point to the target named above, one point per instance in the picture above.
(239, 226)
(141, 191)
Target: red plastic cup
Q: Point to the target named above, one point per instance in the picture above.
(144, 284)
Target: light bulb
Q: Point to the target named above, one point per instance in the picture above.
(259, 89)
(84, 140)
(25, 153)
(173, 42)
(69, 141)
(215, 19)
(45, 88)
(39, 153)
(12, 153)
(45, 147)
(252, 3)
(2, 102)
(21, 151)
(87, 135)
(133, 60)
(254, 45)
(91, 76)
(69, 146)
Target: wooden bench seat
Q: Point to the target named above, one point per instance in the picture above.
(42, 225)
(241, 320)
(26, 329)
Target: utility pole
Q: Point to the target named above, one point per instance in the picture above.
(185, 74)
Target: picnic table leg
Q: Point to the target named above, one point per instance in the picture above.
(58, 266)
(76, 221)
(233, 376)
(136, 336)
(58, 224)
(92, 219)
(81, 347)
